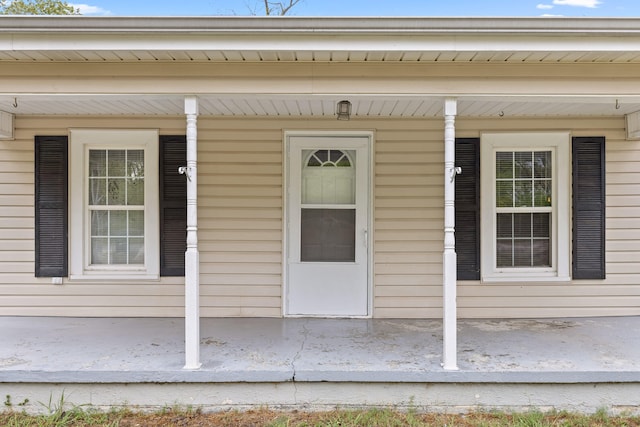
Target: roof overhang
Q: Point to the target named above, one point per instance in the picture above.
(606, 42)
(78, 38)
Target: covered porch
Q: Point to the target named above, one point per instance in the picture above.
(238, 98)
(576, 364)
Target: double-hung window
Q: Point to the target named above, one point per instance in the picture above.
(525, 182)
(114, 204)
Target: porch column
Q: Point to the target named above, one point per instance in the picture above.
(192, 261)
(449, 324)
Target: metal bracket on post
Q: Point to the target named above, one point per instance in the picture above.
(185, 170)
(455, 171)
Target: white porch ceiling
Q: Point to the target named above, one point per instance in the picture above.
(316, 106)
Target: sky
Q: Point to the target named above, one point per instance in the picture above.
(437, 8)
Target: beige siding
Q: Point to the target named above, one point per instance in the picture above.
(408, 218)
(240, 218)
(241, 224)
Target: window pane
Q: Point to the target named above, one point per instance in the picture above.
(524, 196)
(343, 161)
(328, 184)
(322, 156)
(523, 164)
(313, 161)
(136, 223)
(523, 240)
(118, 223)
(99, 223)
(542, 164)
(99, 250)
(116, 191)
(504, 194)
(117, 237)
(335, 155)
(116, 163)
(542, 253)
(504, 165)
(118, 250)
(504, 225)
(522, 253)
(136, 251)
(542, 193)
(97, 191)
(328, 235)
(97, 163)
(541, 225)
(135, 191)
(522, 225)
(504, 255)
(135, 163)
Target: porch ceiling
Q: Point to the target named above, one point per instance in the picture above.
(317, 106)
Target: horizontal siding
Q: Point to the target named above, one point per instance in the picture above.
(408, 220)
(241, 229)
(240, 218)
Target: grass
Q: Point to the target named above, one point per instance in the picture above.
(79, 417)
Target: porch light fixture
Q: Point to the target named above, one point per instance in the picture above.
(343, 110)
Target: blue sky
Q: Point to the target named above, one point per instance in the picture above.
(574, 8)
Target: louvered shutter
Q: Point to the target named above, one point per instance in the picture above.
(173, 205)
(467, 208)
(51, 219)
(588, 258)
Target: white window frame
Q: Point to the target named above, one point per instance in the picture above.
(81, 141)
(559, 144)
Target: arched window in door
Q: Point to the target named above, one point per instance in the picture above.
(328, 206)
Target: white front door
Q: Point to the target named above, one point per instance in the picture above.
(328, 221)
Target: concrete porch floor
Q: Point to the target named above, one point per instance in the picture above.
(143, 350)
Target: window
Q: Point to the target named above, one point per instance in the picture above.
(116, 207)
(328, 214)
(114, 204)
(523, 208)
(525, 182)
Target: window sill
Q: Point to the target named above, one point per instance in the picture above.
(114, 277)
(524, 279)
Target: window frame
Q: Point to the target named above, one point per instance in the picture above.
(81, 141)
(559, 144)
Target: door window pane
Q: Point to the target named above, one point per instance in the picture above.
(328, 235)
(328, 177)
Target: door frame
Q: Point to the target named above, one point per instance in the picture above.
(285, 215)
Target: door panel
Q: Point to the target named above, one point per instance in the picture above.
(328, 212)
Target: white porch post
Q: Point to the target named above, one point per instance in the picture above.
(449, 256)
(192, 261)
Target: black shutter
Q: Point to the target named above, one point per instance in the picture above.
(588, 208)
(467, 207)
(173, 205)
(51, 223)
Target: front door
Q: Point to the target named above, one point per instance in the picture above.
(328, 217)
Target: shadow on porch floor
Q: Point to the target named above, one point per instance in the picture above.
(139, 350)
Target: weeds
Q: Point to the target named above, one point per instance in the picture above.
(61, 416)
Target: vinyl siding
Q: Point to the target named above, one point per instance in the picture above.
(240, 187)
